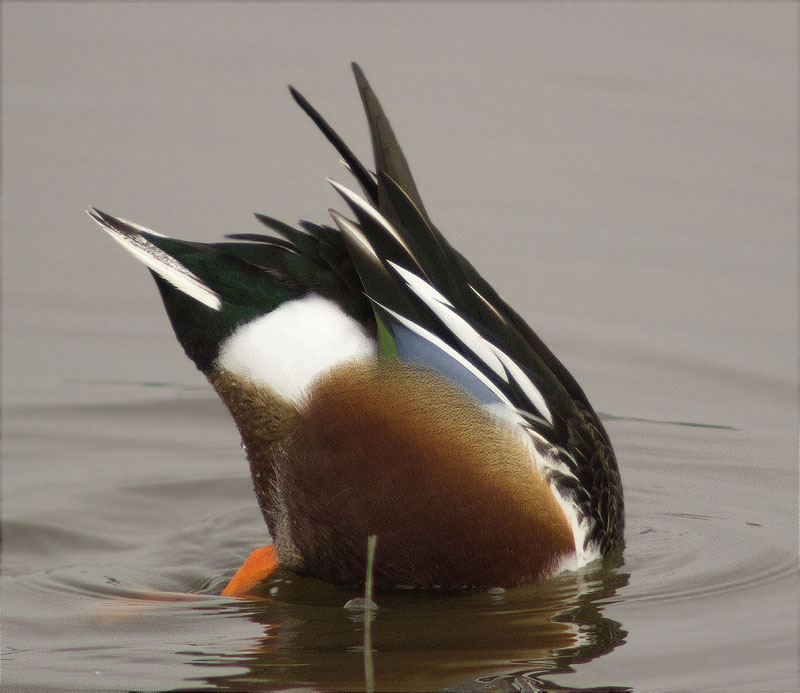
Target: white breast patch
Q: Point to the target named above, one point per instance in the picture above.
(289, 348)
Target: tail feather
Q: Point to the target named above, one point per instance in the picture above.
(135, 239)
(361, 174)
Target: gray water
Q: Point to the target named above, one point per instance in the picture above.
(626, 177)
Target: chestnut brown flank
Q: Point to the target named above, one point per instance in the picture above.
(395, 450)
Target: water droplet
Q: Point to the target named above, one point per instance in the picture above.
(360, 604)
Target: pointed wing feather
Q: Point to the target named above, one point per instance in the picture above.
(389, 158)
(353, 164)
(136, 240)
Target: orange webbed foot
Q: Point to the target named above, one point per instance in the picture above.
(259, 565)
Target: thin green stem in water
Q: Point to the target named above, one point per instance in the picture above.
(369, 606)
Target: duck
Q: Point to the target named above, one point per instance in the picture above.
(381, 387)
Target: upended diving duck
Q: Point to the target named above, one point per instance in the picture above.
(382, 387)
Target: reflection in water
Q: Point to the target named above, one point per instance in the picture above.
(493, 642)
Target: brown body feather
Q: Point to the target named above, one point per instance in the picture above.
(396, 450)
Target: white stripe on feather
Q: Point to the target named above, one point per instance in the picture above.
(443, 310)
(439, 343)
(530, 390)
(138, 227)
(365, 206)
(161, 263)
(419, 286)
(349, 228)
(487, 304)
(491, 355)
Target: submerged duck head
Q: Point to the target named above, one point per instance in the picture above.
(382, 387)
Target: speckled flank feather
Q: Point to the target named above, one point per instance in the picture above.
(403, 453)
